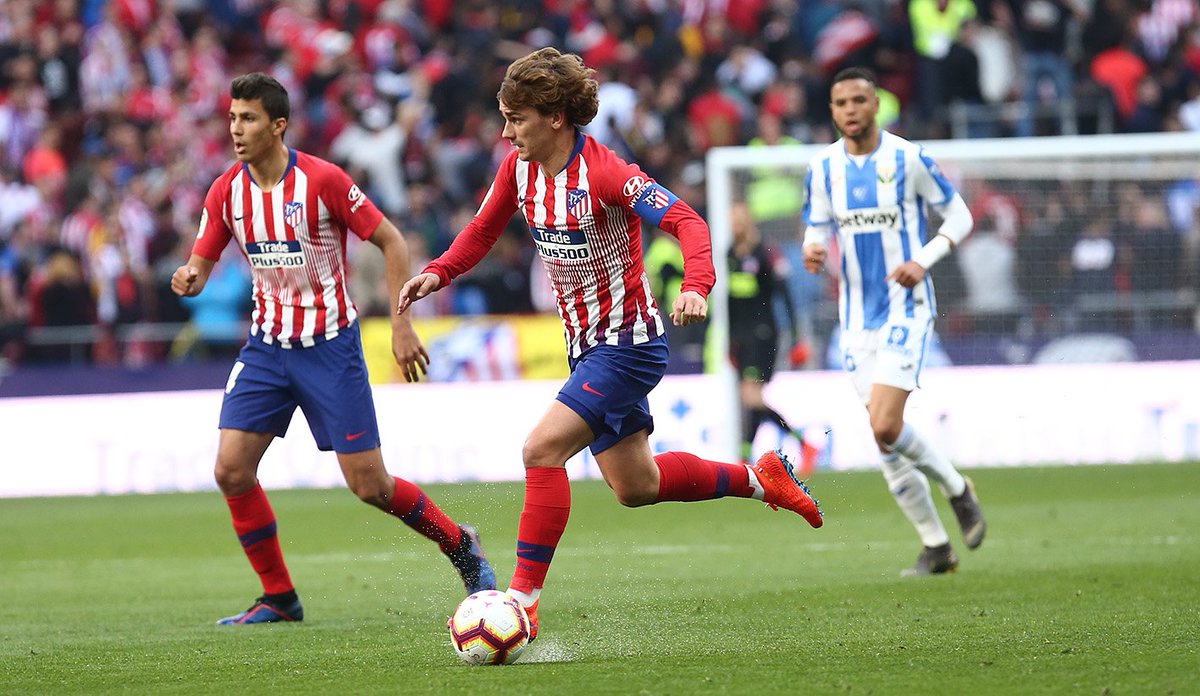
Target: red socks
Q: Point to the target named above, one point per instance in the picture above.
(254, 523)
(409, 503)
(686, 477)
(543, 519)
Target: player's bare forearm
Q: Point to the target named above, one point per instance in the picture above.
(407, 348)
(395, 257)
(189, 279)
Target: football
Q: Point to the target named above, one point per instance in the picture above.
(489, 628)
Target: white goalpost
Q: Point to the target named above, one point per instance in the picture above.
(1084, 257)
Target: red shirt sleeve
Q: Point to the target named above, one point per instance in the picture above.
(694, 240)
(347, 203)
(481, 233)
(628, 186)
(214, 231)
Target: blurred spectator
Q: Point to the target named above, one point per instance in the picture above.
(17, 201)
(988, 261)
(1146, 116)
(997, 57)
(1094, 274)
(714, 118)
(1042, 255)
(22, 117)
(936, 25)
(961, 72)
(844, 40)
(58, 296)
(746, 70)
(1156, 253)
(217, 326)
(368, 277)
(1041, 28)
(44, 164)
(12, 309)
(618, 109)
(374, 144)
(1189, 111)
(1120, 69)
(503, 276)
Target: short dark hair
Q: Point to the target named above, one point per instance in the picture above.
(855, 73)
(264, 88)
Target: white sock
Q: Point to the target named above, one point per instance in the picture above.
(525, 598)
(929, 461)
(910, 488)
(755, 484)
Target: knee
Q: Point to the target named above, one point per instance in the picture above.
(886, 431)
(232, 479)
(540, 452)
(635, 493)
(372, 489)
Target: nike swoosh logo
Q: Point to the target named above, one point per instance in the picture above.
(237, 218)
(355, 436)
(587, 387)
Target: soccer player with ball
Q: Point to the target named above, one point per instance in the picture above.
(870, 188)
(584, 207)
(289, 213)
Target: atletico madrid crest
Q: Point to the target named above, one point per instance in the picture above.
(293, 214)
(578, 202)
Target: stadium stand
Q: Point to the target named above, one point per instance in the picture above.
(112, 122)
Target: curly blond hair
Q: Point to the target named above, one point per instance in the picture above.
(551, 81)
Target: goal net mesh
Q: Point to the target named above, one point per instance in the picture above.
(1084, 250)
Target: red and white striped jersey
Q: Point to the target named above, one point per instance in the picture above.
(586, 225)
(294, 237)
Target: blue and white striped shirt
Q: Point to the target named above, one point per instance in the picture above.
(876, 204)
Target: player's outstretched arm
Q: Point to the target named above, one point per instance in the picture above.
(189, 279)
(417, 287)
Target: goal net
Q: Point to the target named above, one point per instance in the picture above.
(1084, 250)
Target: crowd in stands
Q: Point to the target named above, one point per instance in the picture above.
(113, 120)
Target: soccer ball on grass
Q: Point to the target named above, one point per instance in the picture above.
(489, 628)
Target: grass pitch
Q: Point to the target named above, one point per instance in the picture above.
(1087, 583)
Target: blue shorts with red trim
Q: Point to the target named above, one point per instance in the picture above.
(328, 381)
(608, 388)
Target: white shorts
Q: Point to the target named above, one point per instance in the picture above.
(892, 355)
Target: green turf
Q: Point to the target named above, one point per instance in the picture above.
(1087, 584)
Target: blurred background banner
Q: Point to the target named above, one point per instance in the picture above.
(474, 349)
(996, 416)
(153, 442)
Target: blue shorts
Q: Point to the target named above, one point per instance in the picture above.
(328, 381)
(608, 387)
